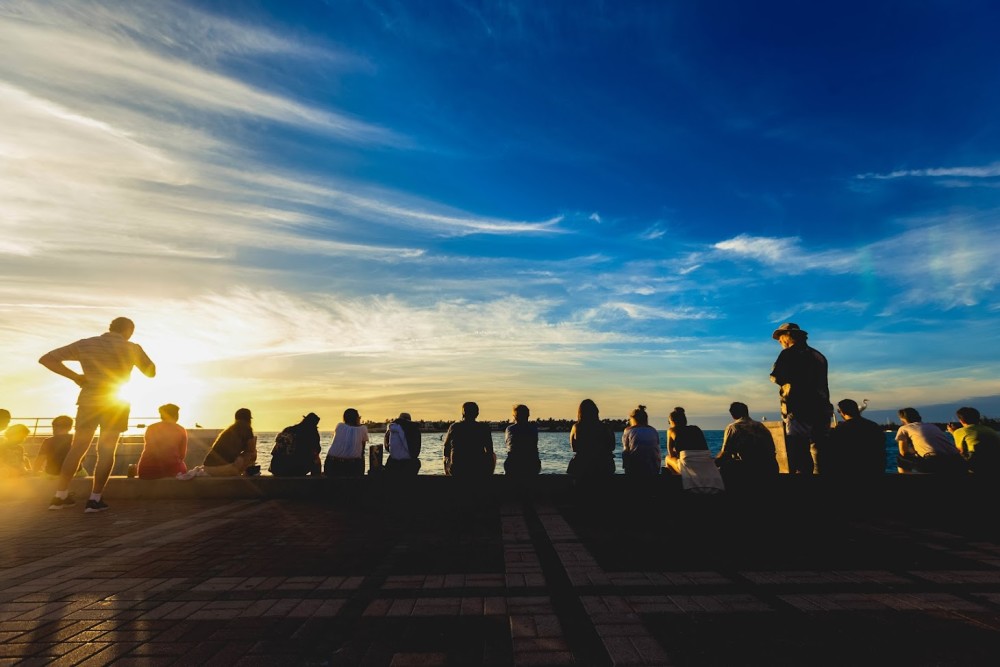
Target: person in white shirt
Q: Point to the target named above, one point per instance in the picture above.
(925, 447)
(346, 457)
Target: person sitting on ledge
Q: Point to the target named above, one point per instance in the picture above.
(13, 462)
(164, 446)
(468, 446)
(521, 439)
(688, 456)
(747, 447)
(402, 442)
(855, 448)
(925, 447)
(296, 449)
(593, 444)
(977, 442)
(641, 453)
(234, 452)
(54, 449)
(346, 457)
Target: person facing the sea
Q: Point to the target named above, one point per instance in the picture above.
(688, 456)
(296, 449)
(468, 446)
(855, 448)
(747, 447)
(4, 419)
(801, 373)
(402, 442)
(13, 462)
(53, 450)
(593, 444)
(641, 453)
(346, 457)
(925, 447)
(164, 446)
(107, 362)
(976, 442)
(234, 450)
(521, 439)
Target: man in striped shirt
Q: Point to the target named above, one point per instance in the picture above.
(106, 361)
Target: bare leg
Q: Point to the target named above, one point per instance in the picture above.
(81, 443)
(106, 446)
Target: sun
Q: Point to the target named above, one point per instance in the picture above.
(176, 381)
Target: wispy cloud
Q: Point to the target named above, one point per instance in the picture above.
(987, 171)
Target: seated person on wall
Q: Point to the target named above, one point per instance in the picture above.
(468, 446)
(346, 457)
(296, 449)
(13, 462)
(54, 449)
(925, 447)
(164, 446)
(593, 445)
(521, 439)
(855, 448)
(235, 450)
(977, 443)
(688, 456)
(402, 442)
(641, 453)
(4, 420)
(747, 447)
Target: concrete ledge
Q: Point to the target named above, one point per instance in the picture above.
(785, 488)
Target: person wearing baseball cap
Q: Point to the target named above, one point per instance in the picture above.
(801, 373)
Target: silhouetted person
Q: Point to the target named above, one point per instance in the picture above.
(855, 448)
(53, 450)
(747, 447)
(925, 447)
(4, 419)
(296, 449)
(346, 456)
(164, 446)
(468, 446)
(978, 444)
(234, 450)
(521, 439)
(402, 442)
(593, 444)
(13, 462)
(801, 373)
(688, 455)
(641, 453)
(107, 362)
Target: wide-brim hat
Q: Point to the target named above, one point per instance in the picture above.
(788, 328)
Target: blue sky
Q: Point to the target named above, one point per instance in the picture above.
(307, 206)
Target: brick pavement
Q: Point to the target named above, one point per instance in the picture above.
(589, 578)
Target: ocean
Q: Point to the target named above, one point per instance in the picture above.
(553, 448)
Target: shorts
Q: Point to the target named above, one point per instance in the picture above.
(110, 416)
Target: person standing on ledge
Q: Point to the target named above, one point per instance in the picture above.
(107, 362)
(801, 373)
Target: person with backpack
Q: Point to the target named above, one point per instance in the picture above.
(296, 449)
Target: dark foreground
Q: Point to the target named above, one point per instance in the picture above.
(431, 574)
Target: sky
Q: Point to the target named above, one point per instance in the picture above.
(402, 206)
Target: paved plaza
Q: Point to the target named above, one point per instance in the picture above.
(434, 574)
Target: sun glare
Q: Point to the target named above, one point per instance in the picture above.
(175, 382)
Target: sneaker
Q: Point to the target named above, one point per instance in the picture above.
(95, 506)
(58, 503)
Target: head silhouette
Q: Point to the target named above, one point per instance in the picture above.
(739, 410)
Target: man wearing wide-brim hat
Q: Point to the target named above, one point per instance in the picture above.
(801, 373)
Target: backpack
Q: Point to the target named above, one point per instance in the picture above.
(283, 452)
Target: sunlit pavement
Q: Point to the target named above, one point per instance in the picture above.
(469, 578)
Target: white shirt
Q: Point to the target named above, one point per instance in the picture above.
(926, 439)
(395, 442)
(348, 441)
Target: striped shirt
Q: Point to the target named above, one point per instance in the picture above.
(107, 361)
